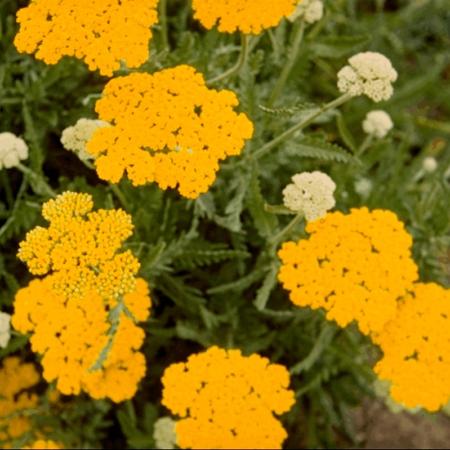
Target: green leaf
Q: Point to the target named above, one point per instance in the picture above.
(319, 149)
(339, 46)
(265, 290)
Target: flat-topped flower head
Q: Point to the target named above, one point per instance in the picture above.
(44, 445)
(75, 138)
(167, 128)
(227, 400)
(416, 349)
(82, 314)
(16, 378)
(5, 331)
(377, 124)
(12, 150)
(369, 74)
(164, 433)
(355, 266)
(308, 10)
(247, 16)
(311, 194)
(103, 33)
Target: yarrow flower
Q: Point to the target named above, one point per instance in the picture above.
(247, 16)
(42, 444)
(103, 33)
(164, 433)
(308, 10)
(16, 378)
(82, 314)
(356, 266)
(76, 137)
(377, 123)
(415, 345)
(310, 194)
(12, 150)
(227, 400)
(429, 164)
(5, 331)
(363, 187)
(369, 74)
(167, 128)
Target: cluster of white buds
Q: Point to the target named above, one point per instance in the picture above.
(377, 124)
(369, 74)
(311, 194)
(76, 137)
(164, 433)
(308, 10)
(5, 329)
(12, 150)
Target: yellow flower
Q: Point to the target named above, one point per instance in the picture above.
(247, 16)
(415, 345)
(81, 315)
(16, 378)
(355, 266)
(167, 128)
(102, 32)
(227, 400)
(42, 444)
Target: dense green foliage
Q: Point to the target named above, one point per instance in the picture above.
(211, 262)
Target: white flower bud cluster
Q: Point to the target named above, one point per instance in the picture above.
(76, 137)
(377, 123)
(311, 193)
(5, 329)
(164, 433)
(369, 74)
(363, 187)
(309, 10)
(429, 164)
(12, 150)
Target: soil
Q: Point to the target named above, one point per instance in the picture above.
(379, 428)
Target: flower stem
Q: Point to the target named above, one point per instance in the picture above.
(163, 23)
(38, 179)
(299, 126)
(365, 145)
(239, 64)
(120, 196)
(293, 54)
(7, 186)
(286, 230)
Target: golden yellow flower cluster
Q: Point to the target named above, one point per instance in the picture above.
(82, 314)
(247, 16)
(102, 32)
(15, 379)
(167, 128)
(227, 400)
(416, 346)
(41, 444)
(356, 266)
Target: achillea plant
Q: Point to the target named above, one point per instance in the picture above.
(102, 33)
(82, 314)
(168, 128)
(247, 16)
(227, 400)
(356, 266)
(415, 347)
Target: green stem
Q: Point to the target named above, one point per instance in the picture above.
(163, 23)
(287, 230)
(299, 126)
(120, 196)
(7, 187)
(38, 179)
(287, 69)
(365, 145)
(239, 64)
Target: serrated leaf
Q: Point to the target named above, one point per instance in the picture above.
(264, 222)
(316, 148)
(263, 294)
